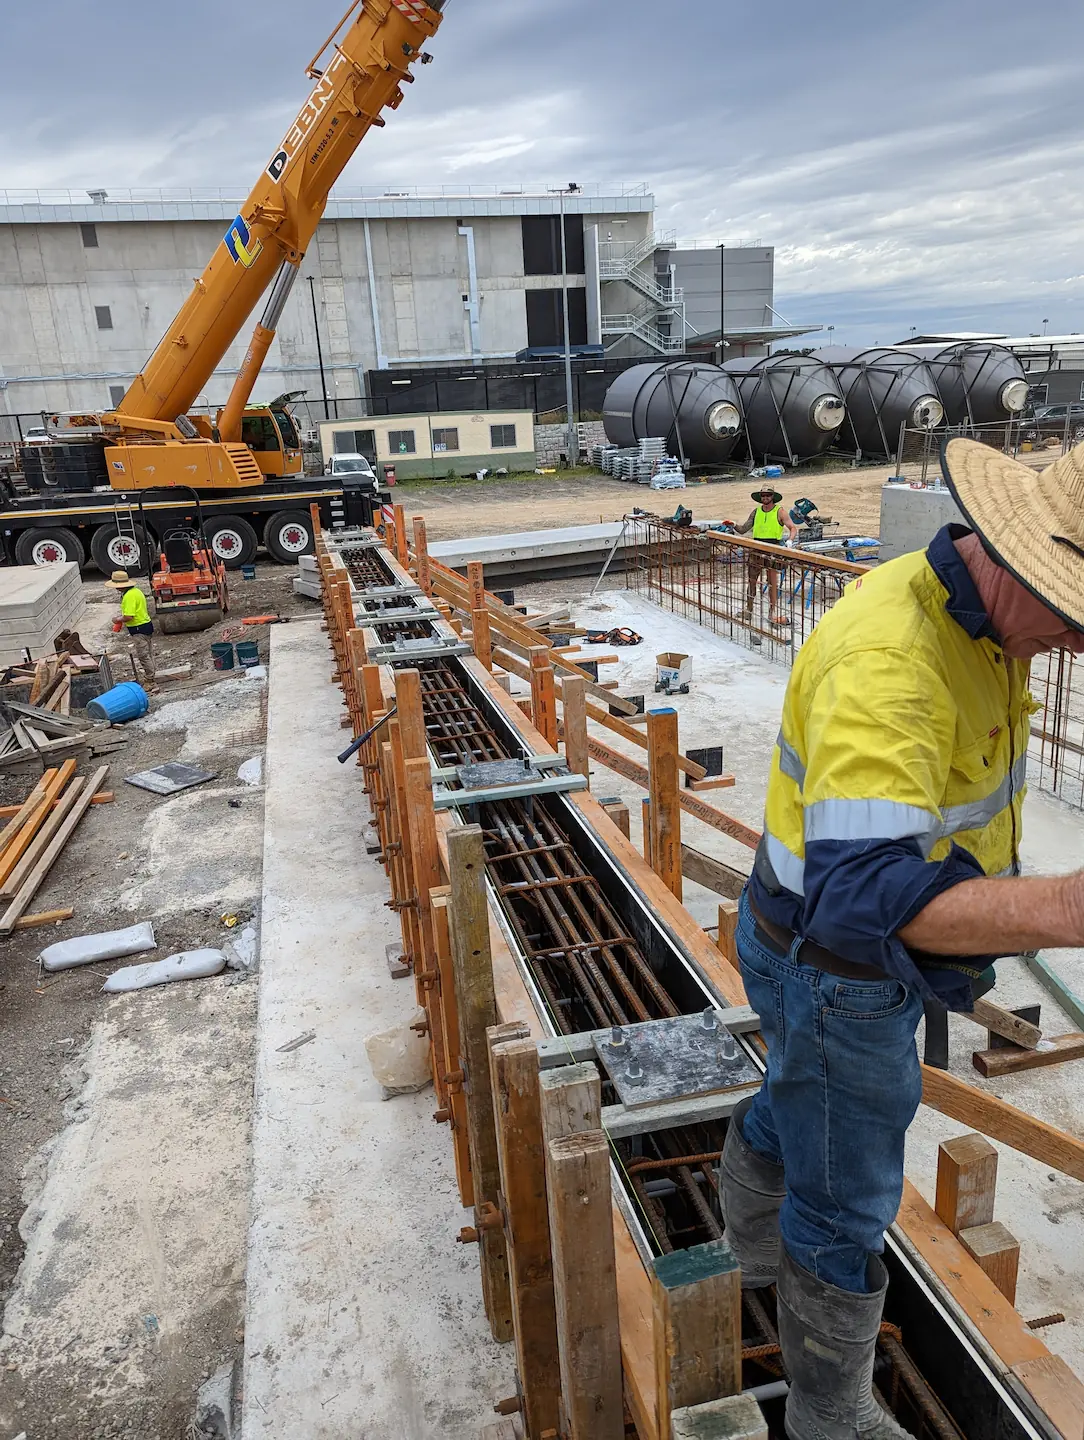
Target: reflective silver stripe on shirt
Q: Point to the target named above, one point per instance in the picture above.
(790, 762)
(871, 820)
(789, 870)
(977, 814)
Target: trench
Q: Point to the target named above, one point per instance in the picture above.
(594, 956)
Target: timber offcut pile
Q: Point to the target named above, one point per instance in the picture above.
(34, 837)
(42, 705)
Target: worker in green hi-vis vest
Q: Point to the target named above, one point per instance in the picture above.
(135, 620)
(769, 523)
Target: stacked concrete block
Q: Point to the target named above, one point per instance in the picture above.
(37, 602)
(307, 579)
(551, 441)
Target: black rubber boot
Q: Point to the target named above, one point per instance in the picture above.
(751, 1190)
(829, 1343)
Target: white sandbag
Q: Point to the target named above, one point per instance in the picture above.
(85, 949)
(400, 1057)
(251, 772)
(240, 949)
(188, 965)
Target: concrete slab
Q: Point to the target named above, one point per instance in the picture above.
(364, 1317)
(36, 603)
(573, 549)
(736, 700)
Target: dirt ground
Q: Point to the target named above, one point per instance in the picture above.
(455, 509)
(124, 1121)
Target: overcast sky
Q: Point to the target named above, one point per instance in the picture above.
(919, 164)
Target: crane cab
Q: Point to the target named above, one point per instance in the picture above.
(271, 433)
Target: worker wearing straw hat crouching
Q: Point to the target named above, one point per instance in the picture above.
(888, 876)
(136, 621)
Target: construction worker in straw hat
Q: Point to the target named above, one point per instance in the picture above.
(889, 876)
(136, 620)
(771, 525)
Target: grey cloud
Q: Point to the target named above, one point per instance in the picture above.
(918, 165)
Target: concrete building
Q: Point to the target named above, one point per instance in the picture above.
(89, 281)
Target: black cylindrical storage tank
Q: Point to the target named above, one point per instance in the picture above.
(792, 406)
(884, 389)
(980, 383)
(661, 401)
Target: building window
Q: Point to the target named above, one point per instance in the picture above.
(116, 395)
(90, 236)
(104, 317)
(355, 442)
(401, 442)
(546, 319)
(502, 437)
(542, 245)
(445, 440)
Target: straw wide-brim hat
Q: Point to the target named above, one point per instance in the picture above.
(1030, 521)
(759, 494)
(120, 580)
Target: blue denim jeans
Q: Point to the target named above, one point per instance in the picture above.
(843, 1085)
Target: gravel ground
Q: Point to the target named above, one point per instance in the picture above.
(124, 1121)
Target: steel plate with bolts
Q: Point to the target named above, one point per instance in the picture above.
(671, 1059)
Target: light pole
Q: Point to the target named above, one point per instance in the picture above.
(1045, 324)
(573, 433)
(831, 332)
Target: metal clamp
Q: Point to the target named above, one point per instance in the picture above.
(544, 785)
(406, 652)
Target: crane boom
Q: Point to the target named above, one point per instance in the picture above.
(369, 56)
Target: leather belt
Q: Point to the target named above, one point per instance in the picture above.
(813, 954)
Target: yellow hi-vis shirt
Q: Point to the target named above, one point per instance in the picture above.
(133, 607)
(905, 734)
(767, 524)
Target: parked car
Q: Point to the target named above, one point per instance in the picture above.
(37, 435)
(355, 466)
(1048, 422)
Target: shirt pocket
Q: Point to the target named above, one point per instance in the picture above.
(976, 763)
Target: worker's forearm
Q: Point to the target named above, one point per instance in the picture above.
(1001, 917)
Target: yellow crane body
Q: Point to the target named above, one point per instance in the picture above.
(150, 439)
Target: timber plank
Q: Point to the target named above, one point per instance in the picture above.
(473, 967)
(30, 885)
(992, 1063)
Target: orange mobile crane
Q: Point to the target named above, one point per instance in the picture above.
(150, 441)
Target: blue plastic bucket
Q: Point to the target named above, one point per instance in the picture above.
(248, 572)
(248, 654)
(222, 654)
(121, 704)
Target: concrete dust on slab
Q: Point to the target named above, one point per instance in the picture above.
(736, 700)
(135, 1220)
(365, 1318)
(125, 1122)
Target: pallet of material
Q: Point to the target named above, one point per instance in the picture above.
(33, 839)
(37, 601)
(34, 736)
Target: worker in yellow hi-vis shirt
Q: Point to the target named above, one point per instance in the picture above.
(136, 620)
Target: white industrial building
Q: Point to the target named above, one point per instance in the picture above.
(89, 281)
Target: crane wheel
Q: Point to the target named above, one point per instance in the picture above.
(288, 536)
(47, 547)
(233, 540)
(187, 622)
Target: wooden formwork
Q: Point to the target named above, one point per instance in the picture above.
(483, 1032)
